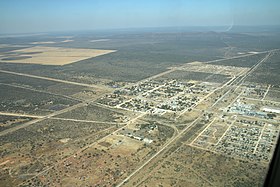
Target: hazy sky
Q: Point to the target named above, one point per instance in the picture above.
(21, 16)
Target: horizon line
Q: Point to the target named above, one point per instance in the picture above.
(135, 28)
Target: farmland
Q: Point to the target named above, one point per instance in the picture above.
(52, 55)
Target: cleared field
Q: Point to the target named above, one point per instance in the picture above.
(55, 55)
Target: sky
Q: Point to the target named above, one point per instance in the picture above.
(31, 16)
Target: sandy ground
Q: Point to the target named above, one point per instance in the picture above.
(57, 55)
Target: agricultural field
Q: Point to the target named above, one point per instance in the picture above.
(52, 55)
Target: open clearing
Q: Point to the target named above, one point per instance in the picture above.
(56, 55)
